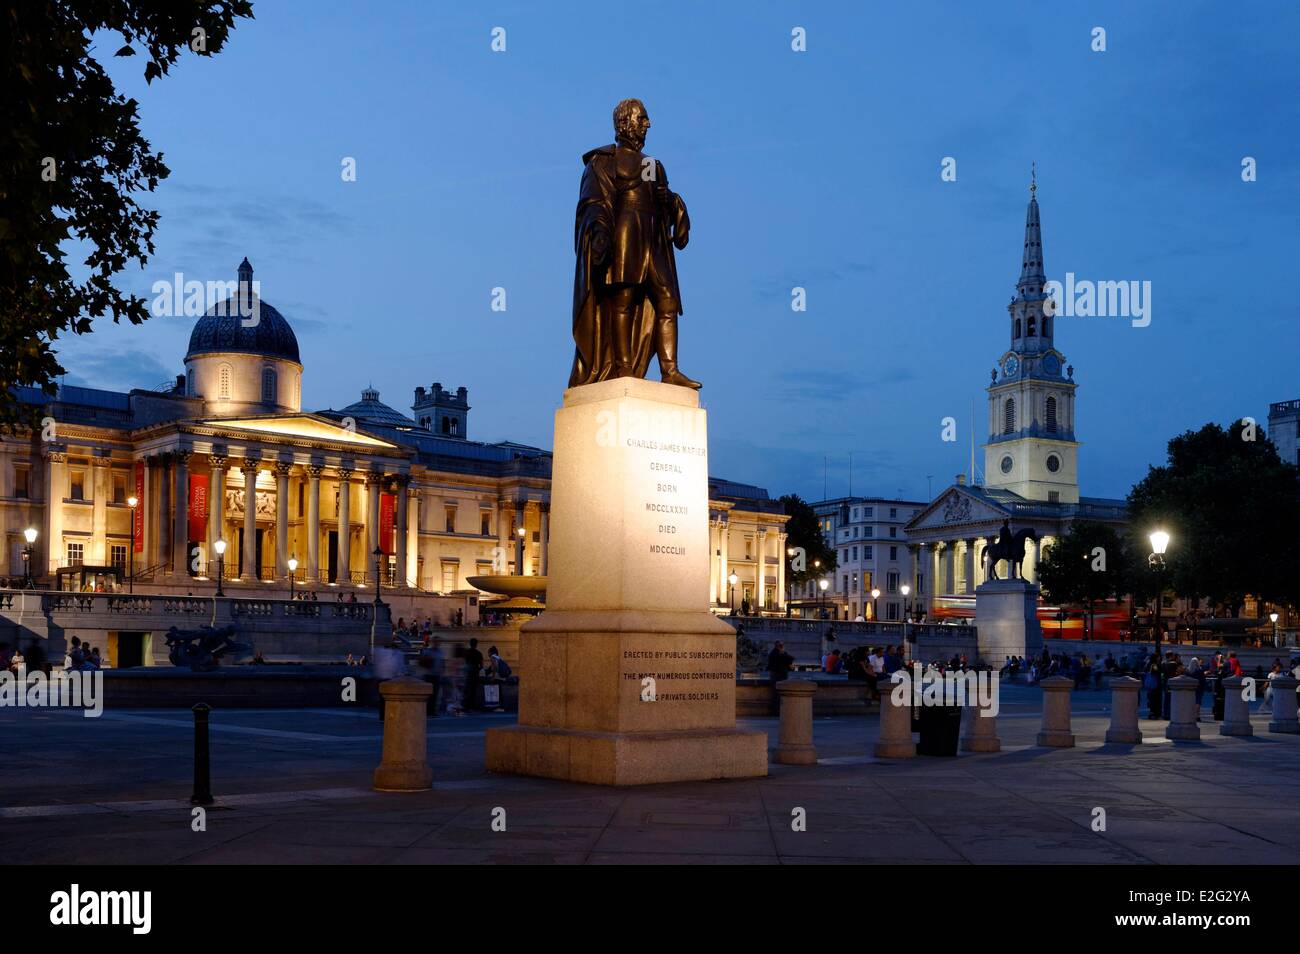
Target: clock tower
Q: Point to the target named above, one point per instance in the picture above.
(1031, 448)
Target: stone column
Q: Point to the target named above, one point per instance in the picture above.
(936, 585)
(180, 513)
(252, 571)
(156, 545)
(981, 543)
(503, 538)
(969, 588)
(413, 535)
(760, 569)
(1284, 705)
(1236, 711)
(345, 528)
(1124, 711)
(313, 521)
(914, 557)
(404, 766)
(713, 559)
(781, 595)
(399, 532)
(795, 743)
(1030, 567)
(950, 567)
(56, 482)
(1056, 713)
(216, 505)
(1182, 726)
(980, 731)
(282, 520)
(373, 481)
(546, 539)
(519, 539)
(895, 741)
(724, 570)
(99, 488)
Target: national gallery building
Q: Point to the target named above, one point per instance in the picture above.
(227, 453)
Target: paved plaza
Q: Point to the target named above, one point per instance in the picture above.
(293, 786)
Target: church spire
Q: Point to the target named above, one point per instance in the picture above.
(1032, 276)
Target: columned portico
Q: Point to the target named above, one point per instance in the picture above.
(251, 571)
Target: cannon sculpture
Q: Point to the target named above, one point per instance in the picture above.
(202, 649)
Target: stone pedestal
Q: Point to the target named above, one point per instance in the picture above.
(405, 763)
(1284, 705)
(979, 731)
(1006, 617)
(1236, 710)
(1056, 713)
(895, 741)
(795, 745)
(628, 678)
(1183, 726)
(1124, 711)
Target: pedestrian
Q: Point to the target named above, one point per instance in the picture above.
(779, 662)
(473, 673)
(1151, 683)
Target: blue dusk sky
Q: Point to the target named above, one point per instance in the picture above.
(818, 169)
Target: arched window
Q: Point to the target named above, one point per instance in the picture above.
(1051, 415)
(454, 429)
(446, 425)
(223, 382)
(1017, 328)
(1009, 416)
(268, 386)
(1029, 329)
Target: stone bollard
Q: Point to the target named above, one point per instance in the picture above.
(1056, 712)
(1183, 726)
(405, 763)
(1124, 711)
(1236, 711)
(895, 740)
(979, 732)
(1284, 706)
(795, 742)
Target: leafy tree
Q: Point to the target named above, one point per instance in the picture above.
(71, 159)
(1088, 564)
(803, 532)
(1232, 509)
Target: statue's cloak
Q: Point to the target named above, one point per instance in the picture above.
(593, 358)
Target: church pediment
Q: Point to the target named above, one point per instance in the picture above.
(298, 427)
(956, 507)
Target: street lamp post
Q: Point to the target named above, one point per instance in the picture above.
(220, 547)
(1273, 617)
(875, 603)
(732, 580)
(905, 589)
(293, 567)
(131, 502)
(378, 555)
(519, 559)
(30, 535)
(822, 584)
(1159, 544)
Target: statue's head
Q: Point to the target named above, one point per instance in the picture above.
(631, 122)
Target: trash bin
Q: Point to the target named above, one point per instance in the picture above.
(940, 730)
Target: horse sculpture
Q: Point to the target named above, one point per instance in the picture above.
(1010, 547)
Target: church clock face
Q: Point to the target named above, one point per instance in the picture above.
(1011, 365)
(1053, 463)
(1052, 364)
(1007, 464)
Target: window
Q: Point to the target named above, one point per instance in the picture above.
(446, 425)
(867, 512)
(893, 553)
(118, 556)
(855, 554)
(893, 531)
(855, 582)
(1053, 463)
(891, 581)
(1017, 331)
(1051, 415)
(22, 481)
(893, 513)
(77, 485)
(1009, 416)
(119, 488)
(448, 576)
(868, 531)
(189, 384)
(866, 553)
(268, 386)
(855, 513)
(844, 555)
(485, 523)
(892, 611)
(1029, 327)
(845, 584)
(223, 382)
(1053, 496)
(450, 514)
(76, 554)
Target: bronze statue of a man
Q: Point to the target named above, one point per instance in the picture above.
(625, 295)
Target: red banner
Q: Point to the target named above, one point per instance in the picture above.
(198, 516)
(137, 518)
(387, 509)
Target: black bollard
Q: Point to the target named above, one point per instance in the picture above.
(202, 775)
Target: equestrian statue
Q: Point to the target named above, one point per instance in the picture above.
(1010, 547)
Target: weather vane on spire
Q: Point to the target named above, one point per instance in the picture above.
(1033, 178)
